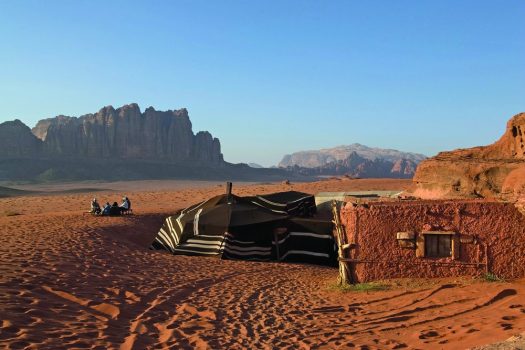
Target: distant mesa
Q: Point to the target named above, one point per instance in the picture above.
(255, 165)
(318, 158)
(494, 171)
(354, 160)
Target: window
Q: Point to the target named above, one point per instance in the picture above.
(438, 246)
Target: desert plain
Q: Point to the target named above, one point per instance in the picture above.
(70, 280)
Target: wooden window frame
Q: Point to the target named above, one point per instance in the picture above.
(421, 245)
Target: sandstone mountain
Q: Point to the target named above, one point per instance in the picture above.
(16, 140)
(494, 171)
(120, 143)
(126, 133)
(357, 166)
(322, 157)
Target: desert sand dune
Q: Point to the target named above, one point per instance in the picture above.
(70, 280)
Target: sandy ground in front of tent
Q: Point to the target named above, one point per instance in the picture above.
(72, 280)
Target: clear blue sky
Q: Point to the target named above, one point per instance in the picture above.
(274, 77)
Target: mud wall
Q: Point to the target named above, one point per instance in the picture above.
(485, 231)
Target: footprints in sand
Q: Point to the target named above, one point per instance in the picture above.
(105, 309)
(80, 288)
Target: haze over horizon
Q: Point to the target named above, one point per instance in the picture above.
(274, 78)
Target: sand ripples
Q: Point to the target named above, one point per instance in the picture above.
(71, 281)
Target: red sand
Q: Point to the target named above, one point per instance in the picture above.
(69, 280)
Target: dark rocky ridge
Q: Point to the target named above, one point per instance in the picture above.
(16, 140)
(118, 144)
(126, 133)
(123, 143)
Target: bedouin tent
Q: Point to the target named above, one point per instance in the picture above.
(237, 228)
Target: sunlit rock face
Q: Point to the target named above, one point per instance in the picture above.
(494, 171)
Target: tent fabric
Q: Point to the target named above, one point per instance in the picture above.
(287, 203)
(307, 240)
(234, 227)
(221, 224)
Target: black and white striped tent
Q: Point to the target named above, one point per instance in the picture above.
(238, 228)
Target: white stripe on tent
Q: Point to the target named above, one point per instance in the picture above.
(196, 222)
(196, 245)
(297, 206)
(262, 206)
(198, 206)
(280, 204)
(211, 236)
(300, 199)
(162, 244)
(232, 251)
(310, 234)
(236, 241)
(270, 202)
(196, 252)
(305, 234)
(200, 241)
(229, 238)
(170, 224)
(179, 222)
(304, 252)
(173, 231)
(170, 234)
(186, 211)
(165, 236)
(246, 249)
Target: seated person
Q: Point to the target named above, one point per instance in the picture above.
(114, 210)
(106, 209)
(126, 204)
(95, 207)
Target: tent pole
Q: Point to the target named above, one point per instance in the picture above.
(229, 191)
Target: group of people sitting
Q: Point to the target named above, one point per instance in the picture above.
(113, 209)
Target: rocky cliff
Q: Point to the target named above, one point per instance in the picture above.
(357, 166)
(126, 133)
(494, 171)
(322, 157)
(16, 140)
(120, 143)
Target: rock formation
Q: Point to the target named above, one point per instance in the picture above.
(494, 171)
(16, 140)
(111, 144)
(357, 166)
(319, 158)
(126, 133)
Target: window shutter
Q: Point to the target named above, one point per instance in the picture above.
(420, 246)
(455, 247)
